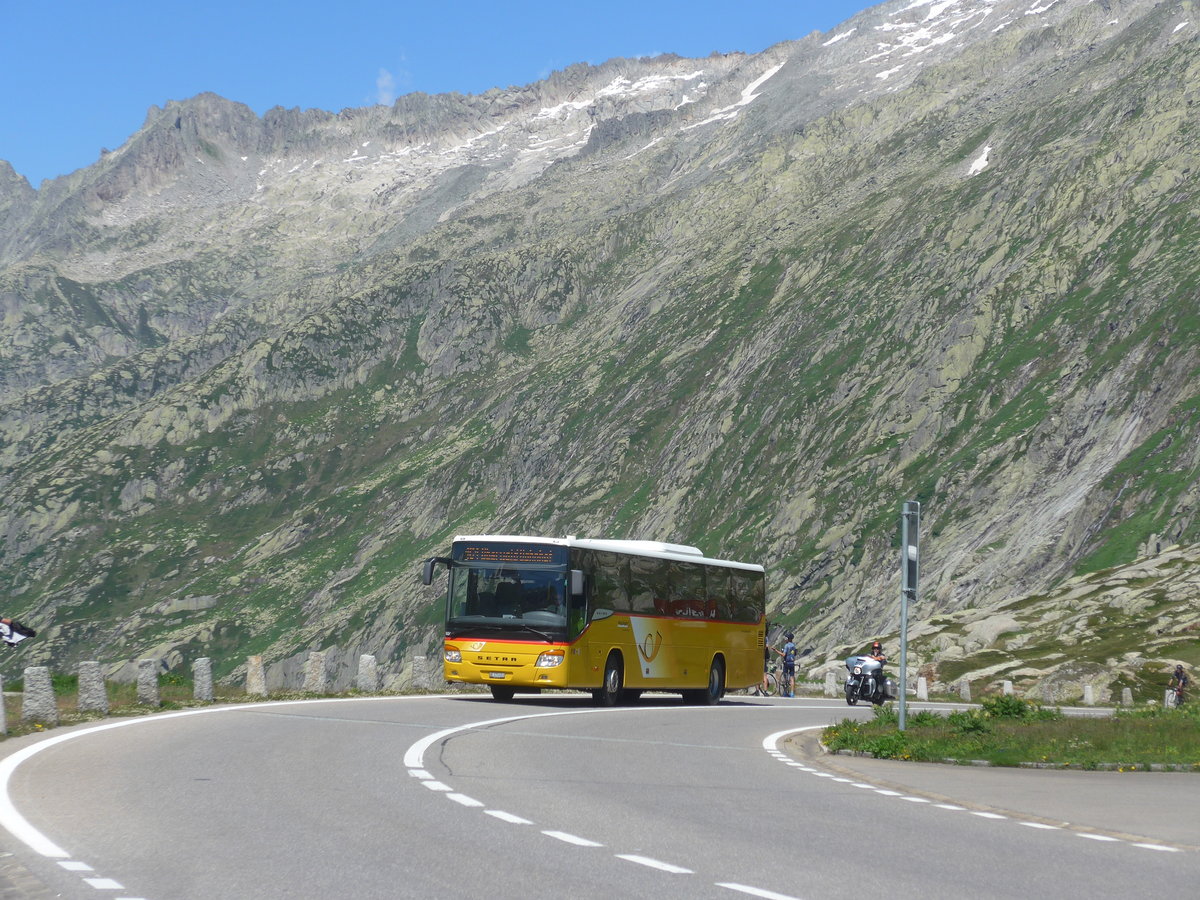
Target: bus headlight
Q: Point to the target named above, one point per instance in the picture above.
(550, 660)
(453, 656)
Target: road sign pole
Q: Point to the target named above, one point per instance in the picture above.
(910, 562)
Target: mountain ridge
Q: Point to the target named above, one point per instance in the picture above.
(754, 321)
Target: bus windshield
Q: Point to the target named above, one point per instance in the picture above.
(491, 599)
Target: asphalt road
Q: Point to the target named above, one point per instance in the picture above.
(551, 797)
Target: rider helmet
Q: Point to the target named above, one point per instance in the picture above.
(876, 646)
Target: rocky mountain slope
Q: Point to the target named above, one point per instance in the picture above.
(254, 369)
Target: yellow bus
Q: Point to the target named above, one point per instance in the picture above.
(526, 614)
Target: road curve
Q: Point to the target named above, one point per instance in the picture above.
(550, 797)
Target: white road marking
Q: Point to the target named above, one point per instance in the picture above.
(73, 866)
(464, 800)
(571, 839)
(104, 884)
(507, 817)
(754, 892)
(655, 864)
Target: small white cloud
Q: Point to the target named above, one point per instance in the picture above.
(385, 88)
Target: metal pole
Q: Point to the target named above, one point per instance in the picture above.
(910, 557)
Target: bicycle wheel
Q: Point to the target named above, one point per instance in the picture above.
(772, 684)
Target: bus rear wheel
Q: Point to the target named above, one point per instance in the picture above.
(715, 690)
(610, 691)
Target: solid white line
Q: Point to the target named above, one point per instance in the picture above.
(507, 817)
(755, 892)
(655, 864)
(571, 839)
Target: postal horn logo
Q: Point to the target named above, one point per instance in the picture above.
(476, 646)
(650, 646)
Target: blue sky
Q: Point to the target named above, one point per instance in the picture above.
(79, 75)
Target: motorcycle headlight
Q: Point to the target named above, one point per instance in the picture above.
(858, 670)
(453, 656)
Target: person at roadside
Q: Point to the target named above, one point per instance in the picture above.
(1179, 683)
(762, 691)
(787, 681)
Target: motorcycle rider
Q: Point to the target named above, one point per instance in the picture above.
(1179, 683)
(878, 655)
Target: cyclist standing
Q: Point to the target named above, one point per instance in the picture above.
(787, 683)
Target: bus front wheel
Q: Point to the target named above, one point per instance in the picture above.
(610, 691)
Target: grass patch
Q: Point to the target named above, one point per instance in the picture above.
(1010, 731)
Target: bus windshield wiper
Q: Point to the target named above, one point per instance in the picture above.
(530, 629)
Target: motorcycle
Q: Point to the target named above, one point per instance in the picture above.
(865, 681)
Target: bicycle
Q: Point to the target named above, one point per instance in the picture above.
(772, 683)
(787, 687)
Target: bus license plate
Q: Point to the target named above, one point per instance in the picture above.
(495, 674)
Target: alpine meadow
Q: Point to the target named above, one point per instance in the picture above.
(255, 369)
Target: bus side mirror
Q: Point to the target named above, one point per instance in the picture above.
(427, 571)
(576, 583)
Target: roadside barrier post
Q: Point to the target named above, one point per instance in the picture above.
(314, 672)
(147, 682)
(202, 679)
(92, 694)
(922, 688)
(1126, 696)
(964, 689)
(1089, 695)
(830, 685)
(3, 711)
(1006, 688)
(37, 701)
(368, 674)
(256, 677)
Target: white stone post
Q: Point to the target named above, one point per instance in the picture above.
(964, 689)
(202, 682)
(1126, 696)
(256, 677)
(1168, 698)
(314, 673)
(922, 688)
(147, 682)
(830, 684)
(1089, 695)
(37, 701)
(93, 696)
(1006, 688)
(368, 674)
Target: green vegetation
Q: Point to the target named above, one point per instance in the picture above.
(1011, 731)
